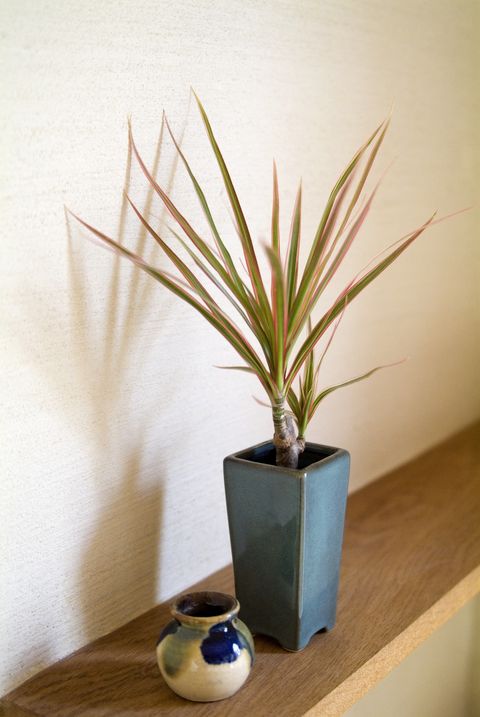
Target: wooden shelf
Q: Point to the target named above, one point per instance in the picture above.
(411, 559)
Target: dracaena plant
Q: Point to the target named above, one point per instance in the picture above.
(277, 311)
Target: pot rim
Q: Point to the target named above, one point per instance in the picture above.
(187, 607)
(331, 453)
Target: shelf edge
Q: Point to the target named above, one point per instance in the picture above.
(337, 702)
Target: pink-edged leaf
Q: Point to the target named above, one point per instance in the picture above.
(222, 249)
(259, 314)
(368, 166)
(236, 368)
(345, 298)
(228, 330)
(279, 314)
(329, 342)
(276, 282)
(199, 243)
(275, 213)
(363, 376)
(328, 219)
(293, 250)
(244, 232)
(211, 276)
(323, 281)
(262, 403)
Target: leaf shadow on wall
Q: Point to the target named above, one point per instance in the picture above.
(117, 576)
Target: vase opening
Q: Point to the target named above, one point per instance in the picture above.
(205, 606)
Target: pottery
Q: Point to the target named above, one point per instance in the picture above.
(286, 530)
(205, 653)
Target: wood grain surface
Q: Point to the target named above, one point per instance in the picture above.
(411, 559)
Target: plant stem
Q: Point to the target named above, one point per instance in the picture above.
(288, 446)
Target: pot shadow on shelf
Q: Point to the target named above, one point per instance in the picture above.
(268, 646)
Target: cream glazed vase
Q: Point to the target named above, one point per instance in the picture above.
(205, 653)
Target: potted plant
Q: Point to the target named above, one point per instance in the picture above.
(285, 497)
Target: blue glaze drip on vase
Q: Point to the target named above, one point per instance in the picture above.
(222, 644)
(169, 629)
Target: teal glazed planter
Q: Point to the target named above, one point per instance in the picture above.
(205, 653)
(286, 531)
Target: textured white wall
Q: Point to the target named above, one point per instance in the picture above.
(114, 421)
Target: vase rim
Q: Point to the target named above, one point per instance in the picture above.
(204, 608)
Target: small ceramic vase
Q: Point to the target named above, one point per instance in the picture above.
(205, 653)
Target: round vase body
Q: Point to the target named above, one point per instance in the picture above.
(205, 653)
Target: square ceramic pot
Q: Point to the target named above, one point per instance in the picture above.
(286, 531)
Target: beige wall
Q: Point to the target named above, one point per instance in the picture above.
(439, 679)
(115, 422)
